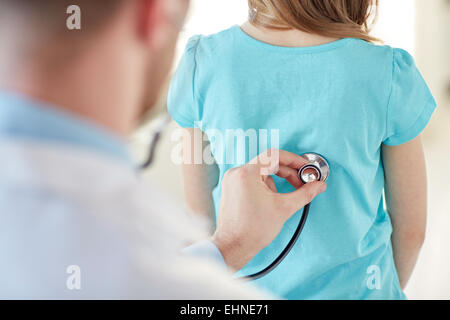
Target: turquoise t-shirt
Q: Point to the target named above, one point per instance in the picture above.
(342, 100)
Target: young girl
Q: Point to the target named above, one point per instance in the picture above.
(310, 70)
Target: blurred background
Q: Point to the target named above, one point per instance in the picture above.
(421, 27)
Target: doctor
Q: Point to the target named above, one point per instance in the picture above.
(75, 219)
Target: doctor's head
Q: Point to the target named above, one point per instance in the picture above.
(329, 18)
(88, 55)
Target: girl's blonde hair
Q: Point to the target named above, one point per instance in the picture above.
(330, 18)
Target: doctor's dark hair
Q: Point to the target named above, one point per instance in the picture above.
(330, 18)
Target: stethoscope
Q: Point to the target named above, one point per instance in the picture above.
(162, 122)
(316, 168)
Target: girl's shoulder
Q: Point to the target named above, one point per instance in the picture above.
(378, 50)
(210, 44)
(233, 40)
(231, 48)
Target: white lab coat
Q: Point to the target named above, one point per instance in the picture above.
(78, 225)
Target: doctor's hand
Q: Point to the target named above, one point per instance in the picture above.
(252, 212)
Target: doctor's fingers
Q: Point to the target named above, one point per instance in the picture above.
(270, 161)
(287, 173)
(291, 160)
(290, 175)
(296, 200)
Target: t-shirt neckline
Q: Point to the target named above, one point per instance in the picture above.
(310, 49)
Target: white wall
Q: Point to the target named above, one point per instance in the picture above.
(431, 278)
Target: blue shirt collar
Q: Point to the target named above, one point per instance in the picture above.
(23, 117)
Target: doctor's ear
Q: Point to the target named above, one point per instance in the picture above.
(161, 20)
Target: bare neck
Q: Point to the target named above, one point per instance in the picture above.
(285, 38)
(95, 86)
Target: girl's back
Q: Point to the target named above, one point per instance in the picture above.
(343, 100)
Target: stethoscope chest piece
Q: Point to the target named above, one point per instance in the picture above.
(316, 168)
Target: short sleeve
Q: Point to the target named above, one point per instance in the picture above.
(182, 103)
(411, 103)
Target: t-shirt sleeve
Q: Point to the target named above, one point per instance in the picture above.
(411, 103)
(182, 102)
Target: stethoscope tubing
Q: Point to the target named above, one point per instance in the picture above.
(285, 251)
